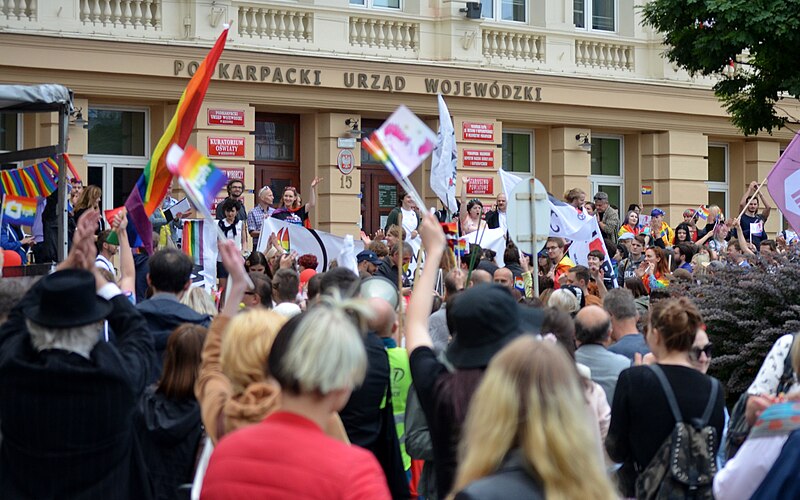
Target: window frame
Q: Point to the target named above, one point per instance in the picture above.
(147, 129)
(721, 187)
(20, 126)
(497, 13)
(610, 180)
(370, 4)
(587, 18)
(531, 152)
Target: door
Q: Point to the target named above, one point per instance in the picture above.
(115, 178)
(277, 154)
(379, 195)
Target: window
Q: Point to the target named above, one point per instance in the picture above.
(717, 183)
(386, 4)
(595, 14)
(119, 148)
(118, 132)
(517, 150)
(607, 169)
(9, 135)
(276, 139)
(505, 10)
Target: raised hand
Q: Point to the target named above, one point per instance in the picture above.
(316, 181)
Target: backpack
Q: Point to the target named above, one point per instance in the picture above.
(685, 464)
(738, 428)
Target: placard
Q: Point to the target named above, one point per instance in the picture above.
(480, 185)
(475, 131)
(226, 146)
(387, 195)
(477, 158)
(226, 117)
(236, 174)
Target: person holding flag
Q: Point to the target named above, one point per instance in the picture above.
(17, 211)
(753, 223)
(662, 235)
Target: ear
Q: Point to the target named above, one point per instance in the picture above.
(187, 285)
(149, 283)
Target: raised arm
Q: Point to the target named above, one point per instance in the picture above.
(419, 308)
(312, 199)
(702, 241)
(767, 207)
(740, 238)
(747, 194)
(462, 214)
(127, 281)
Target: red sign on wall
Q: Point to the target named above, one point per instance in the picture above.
(226, 117)
(483, 158)
(234, 173)
(480, 185)
(474, 131)
(226, 146)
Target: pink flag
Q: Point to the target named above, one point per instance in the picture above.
(783, 183)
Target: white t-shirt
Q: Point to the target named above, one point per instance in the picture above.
(502, 220)
(104, 263)
(409, 221)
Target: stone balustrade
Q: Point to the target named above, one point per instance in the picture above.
(271, 23)
(133, 14)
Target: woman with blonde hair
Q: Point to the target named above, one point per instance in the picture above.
(576, 197)
(233, 388)
(528, 433)
(89, 200)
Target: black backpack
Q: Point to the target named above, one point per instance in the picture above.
(685, 464)
(738, 428)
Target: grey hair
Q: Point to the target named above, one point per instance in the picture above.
(619, 304)
(79, 339)
(564, 301)
(326, 352)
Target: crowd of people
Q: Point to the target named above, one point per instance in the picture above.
(456, 382)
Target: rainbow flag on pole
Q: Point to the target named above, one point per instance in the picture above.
(703, 212)
(152, 185)
(18, 210)
(192, 240)
(198, 176)
(461, 247)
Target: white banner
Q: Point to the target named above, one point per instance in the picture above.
(445, 158)
(293, 237)
(590, 238)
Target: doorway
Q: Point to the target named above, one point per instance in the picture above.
(379, 195)
(277, 153)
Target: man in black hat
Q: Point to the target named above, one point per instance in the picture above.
(368, 263)
(68, 397)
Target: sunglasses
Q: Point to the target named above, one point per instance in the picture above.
(697, 351)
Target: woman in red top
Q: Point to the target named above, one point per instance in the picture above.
(317, 358)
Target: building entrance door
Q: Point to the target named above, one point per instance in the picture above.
(379, 195)
(277, 154)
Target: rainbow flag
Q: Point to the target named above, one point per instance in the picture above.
(192, 241)
(152, 185)
(461, 247)
(198, 176)
(702, 212)
(19, 210)
(450, 230)
(31, 181)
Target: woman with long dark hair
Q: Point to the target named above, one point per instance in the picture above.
(168, 419)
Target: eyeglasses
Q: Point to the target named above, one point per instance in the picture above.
(550, 249)
(695, 352)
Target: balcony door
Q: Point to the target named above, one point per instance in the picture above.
(277, 154)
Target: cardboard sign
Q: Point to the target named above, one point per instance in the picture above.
(226, 117)
(480, 185)
(474, 131)
(234, 173)
(404, 140)
(226, 146)
(478, 158)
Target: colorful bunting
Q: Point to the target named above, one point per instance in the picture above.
(32, 181)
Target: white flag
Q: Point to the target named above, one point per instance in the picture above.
(294, 237)
(445, 158)
(587, 239)
(509, 181)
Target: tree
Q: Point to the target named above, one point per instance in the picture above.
(760, 38)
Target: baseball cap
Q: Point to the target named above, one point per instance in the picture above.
(369, 256)
(657, 212)
(626, 236)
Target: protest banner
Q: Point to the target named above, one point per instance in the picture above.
(295, 238)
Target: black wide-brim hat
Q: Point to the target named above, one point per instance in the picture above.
(68, 299)
(485, 319)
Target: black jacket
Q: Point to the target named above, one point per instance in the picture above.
(169, 432)
(514, 479)
(163, 314)
(389, 271)
(492, 219)
(67, 421)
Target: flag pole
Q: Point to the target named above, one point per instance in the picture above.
(758, 189)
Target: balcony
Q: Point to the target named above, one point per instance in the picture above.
(324, 27)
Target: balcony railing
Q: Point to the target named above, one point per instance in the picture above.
(512, 45)
(381, 33)
(604, 55)
(19, 10)
(135, 14)
(275, 23)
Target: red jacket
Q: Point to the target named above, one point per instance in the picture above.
(288, 456)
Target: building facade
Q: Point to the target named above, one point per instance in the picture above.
(528, 84)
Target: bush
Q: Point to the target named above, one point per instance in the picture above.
(746, 310)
